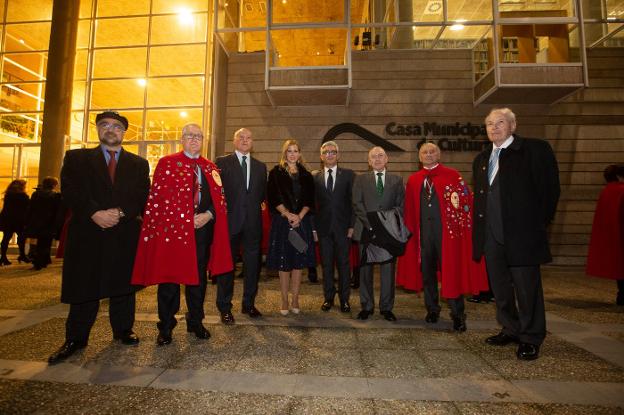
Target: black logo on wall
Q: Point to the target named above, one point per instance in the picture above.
(449, 137)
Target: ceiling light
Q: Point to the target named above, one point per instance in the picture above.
(457, 27)
(185, 16)
(141, 82)
(183, 114)
(22, 41)
(318, 53)
(284, 1)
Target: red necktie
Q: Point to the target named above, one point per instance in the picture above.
(196, 185)
(112, 165)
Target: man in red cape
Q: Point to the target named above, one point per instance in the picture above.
(438, 212)
(185, 212)
(606, 247)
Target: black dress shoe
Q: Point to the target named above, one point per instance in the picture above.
(501, 339)
(459, 323)
(475, 299)
(252, 311)
(389, 315)
(432, 317)
(327, 305)
(363, 315)
(345, 307)
(200, 331)
(527, 351)
(127, 337)
(227, 318)
(67, 349)
(164, 337)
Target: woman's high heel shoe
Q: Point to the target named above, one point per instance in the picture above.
(24, 259)
(284, 312)
(4, 260)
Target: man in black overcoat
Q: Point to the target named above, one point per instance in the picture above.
(516, 182)
(244, 182)
(334, 220)
(106, 188)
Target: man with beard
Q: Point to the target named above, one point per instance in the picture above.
(106, 188)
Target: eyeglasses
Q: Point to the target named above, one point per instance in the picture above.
(196, 137)
(330, 152)
(109, 125)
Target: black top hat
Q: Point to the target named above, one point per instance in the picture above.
(114, 115)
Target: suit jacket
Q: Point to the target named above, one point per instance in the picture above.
(98, 262)
(42, 214)
(243, 205)
(334, 210)
(366, 199)
(14, 211)
(528, 177)
(280, 190)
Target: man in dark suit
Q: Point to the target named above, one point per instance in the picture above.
(374, 191)
(106, 188)
(244, 183)
(334, 224)
(516, 194)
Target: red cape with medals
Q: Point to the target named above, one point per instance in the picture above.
(458, 273)
(605, 258)
(166, 251)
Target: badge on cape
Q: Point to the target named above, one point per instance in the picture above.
(217, 178)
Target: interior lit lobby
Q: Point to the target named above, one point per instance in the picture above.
(393, 73)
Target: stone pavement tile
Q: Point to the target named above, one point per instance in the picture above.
(437, 340)
(290, 337)
(400, 407)
(270, 358)
(324, 406)
(5, 318)
(387, 338)
(462, 363)
(334, 386)
(330, 338)
(26, 289)
(486, 408)
(394, 364)
(569, 392)
(618, 335)
(331, 362)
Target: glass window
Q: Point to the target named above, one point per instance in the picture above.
(75, 128)
(27, 37)
(552, 8)
(156, 151)
(85, 8)
(185, 28)
(119, 63)
(168, 92)
(135, 126)
(122, 32)
(167, 124)
(80, 65)
(125, 93)
(25, 11)
(84, 32)
(122, 7)
(23, 97)
(179, 6)
(25, 67)
(461, 10)
(307, 47)
(460, 37)
(78, 95)
(294, 11)
(17, 127)
(30, 164)
(420, 10)
(177, 60)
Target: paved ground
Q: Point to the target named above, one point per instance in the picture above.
(316, 362)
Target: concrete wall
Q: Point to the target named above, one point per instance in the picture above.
(417, 87)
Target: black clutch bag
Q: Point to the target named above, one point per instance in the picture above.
(297, 241)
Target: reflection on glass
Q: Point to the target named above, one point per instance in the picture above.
(551, 8)
(118, 63)
(18, 128)
(168, 92)
(134, 132)
(27, 37)
(296, 11)
(177, 60)
(80, 65)
(186, 28)
(78, 95)
(469, 11)
(24, 11)
(308, 47)
(23, 97)
(25, 67)
(84, 34)
(122, 32)
(167, 124)
(126, 93)
(121, 7)
(179, 6)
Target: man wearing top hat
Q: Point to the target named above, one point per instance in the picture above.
(106, 188)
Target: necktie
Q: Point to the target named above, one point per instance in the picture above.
(379, 184)
(492, 165)
(196, 185)
(428, 187)
(112, 165)
(244, 167)
(330, 180)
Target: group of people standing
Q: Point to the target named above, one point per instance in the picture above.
(198, 217)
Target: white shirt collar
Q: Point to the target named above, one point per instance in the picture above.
(240, 156)
(333, 169)
(505, 144)
(191, 156)
(382, 172)
(431, 168)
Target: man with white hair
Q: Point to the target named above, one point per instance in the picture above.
(516, 193)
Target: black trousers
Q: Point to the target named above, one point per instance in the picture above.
(431, 255)
(334, 250)
(6, 238)
(169, 294)
(250, 242)
(42, 254)
(511, 285)
(82, 317)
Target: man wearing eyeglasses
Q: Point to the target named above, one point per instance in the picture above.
(334, 224)
(184, 214)
(106, 188)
